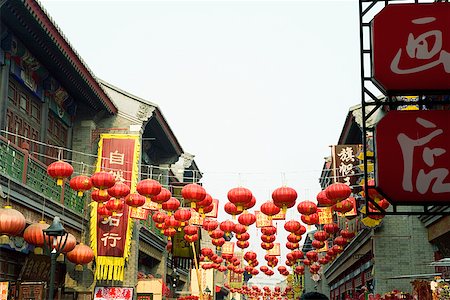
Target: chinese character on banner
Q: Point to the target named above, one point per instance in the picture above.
(118, 153)
(275, 251)
(139, 213)
(228, 248)
(196, 218)
(325, 215)
(262, 220)
(345, 163)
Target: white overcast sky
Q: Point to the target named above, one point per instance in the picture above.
(256, 90)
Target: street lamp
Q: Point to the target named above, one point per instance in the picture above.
(55, 238)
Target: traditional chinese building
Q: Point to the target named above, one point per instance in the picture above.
(53, 107)
(383, 256)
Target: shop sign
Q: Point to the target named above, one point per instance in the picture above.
(325, 215)
(345, 163)
(275, 251)
(119, 293)
(413, 157)
(262, 220)
(139, 213)
(410, 48)
(228, 248)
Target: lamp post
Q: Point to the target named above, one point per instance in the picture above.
(55, 238)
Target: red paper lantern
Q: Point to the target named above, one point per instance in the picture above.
(255, 272)
(182, 215)
(310, 219)
(281, 269)
(201, 205)
(312, 255)
(149, 188)
(250, 204)
(163, 196)
(250, 255)
(269, 272)
(239, 196)
(373, 193)
(300, 270)
(298, 254)
(313, 269)
(343, 206)
(114, 205)
(208, 252)
(80, 184)
(323, 261)
(292, 246)
(134, 200)
(170, 232)
(340, 241)
(171, 205)
(190, 230)
(119, 190)
(59, 170)
(284, 197)
(323, 201)
(331, 228)
(267, 246)
(34, 235)
(80, 255)
(209, 225)
(12, 222)
(171, 222)
(317, 244)
(99, 197)
(218, 242)
(269, 230)
(71, 242)
(159, 217)
(103, 212)
(231, 209)
(239, 229)
(268, 238)
(293, 238)
(270, 209)
(193, 193)
(306, 262)
(227, 227)
(103, 181)
(307, 207)
(242, 244)
(264, 269)
(292, 226)
(346, 234)
(321, 235)
(247, 219)
(191, 238)
(216, 234)
(338, 191)
(244, 237)
(301, 231)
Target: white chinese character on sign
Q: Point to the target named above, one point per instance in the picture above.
(419, 48)
(113, 221)
(114, 237)
(346, 154)
(116, 158)
(347, 181)
(118, 175)
(346, 169)
(423, 180)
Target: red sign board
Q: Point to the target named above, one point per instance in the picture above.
(411, 48)
(413, 157)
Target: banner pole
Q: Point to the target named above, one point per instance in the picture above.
(200, 292)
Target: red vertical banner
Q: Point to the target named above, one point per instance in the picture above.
(111, 237)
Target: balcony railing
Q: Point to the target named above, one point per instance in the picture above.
(19, 165)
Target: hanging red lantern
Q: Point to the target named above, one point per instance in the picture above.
(247, 219)
(314, 269)
(231, 209)
(216, 234)
(34, 235)
(159, 217)
(293, 238)
(301, 231)
(307, 207)
(70, 244)
(310, 219)
(338, 191)
(290, 257)
(270, 209)
(80, 184)
(208, 209)
(239, 229)
(242, 244)
(103, 211)
(323, 261)
(207, 252)
(317, 244)
(250, 204)
(119, 190)
(300, 270)
(182, 215)
(268, 238)
(209, 225)
(80, 255)
(269, 272)
(323, 201)
(12, 223)
(115, 206)
(267, 246)
(171, 205)
(306, 262)
(103, 181)
(383, 203)
(340, 241)
(298, 254)
(218, 242)
(292, 246)
(337, 249)
(269, 230)
(264, 269)
(373, 193)
(239, 196)
(292, 226)
(148, 188)
(172, 222)
(321, 235)
(170, 232)
(190, 229)
(99, 197)
(284, 197)
(244, 237)
(191, 238)
(169, 246)
(59, 170)
(312, 255)
(163, 196)
(281, 269)
(134, 200)
(193, 193)
(332, 228)
(227, 227)
(201, 205)
(346, 234)
(250, 255)
(344, 206)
